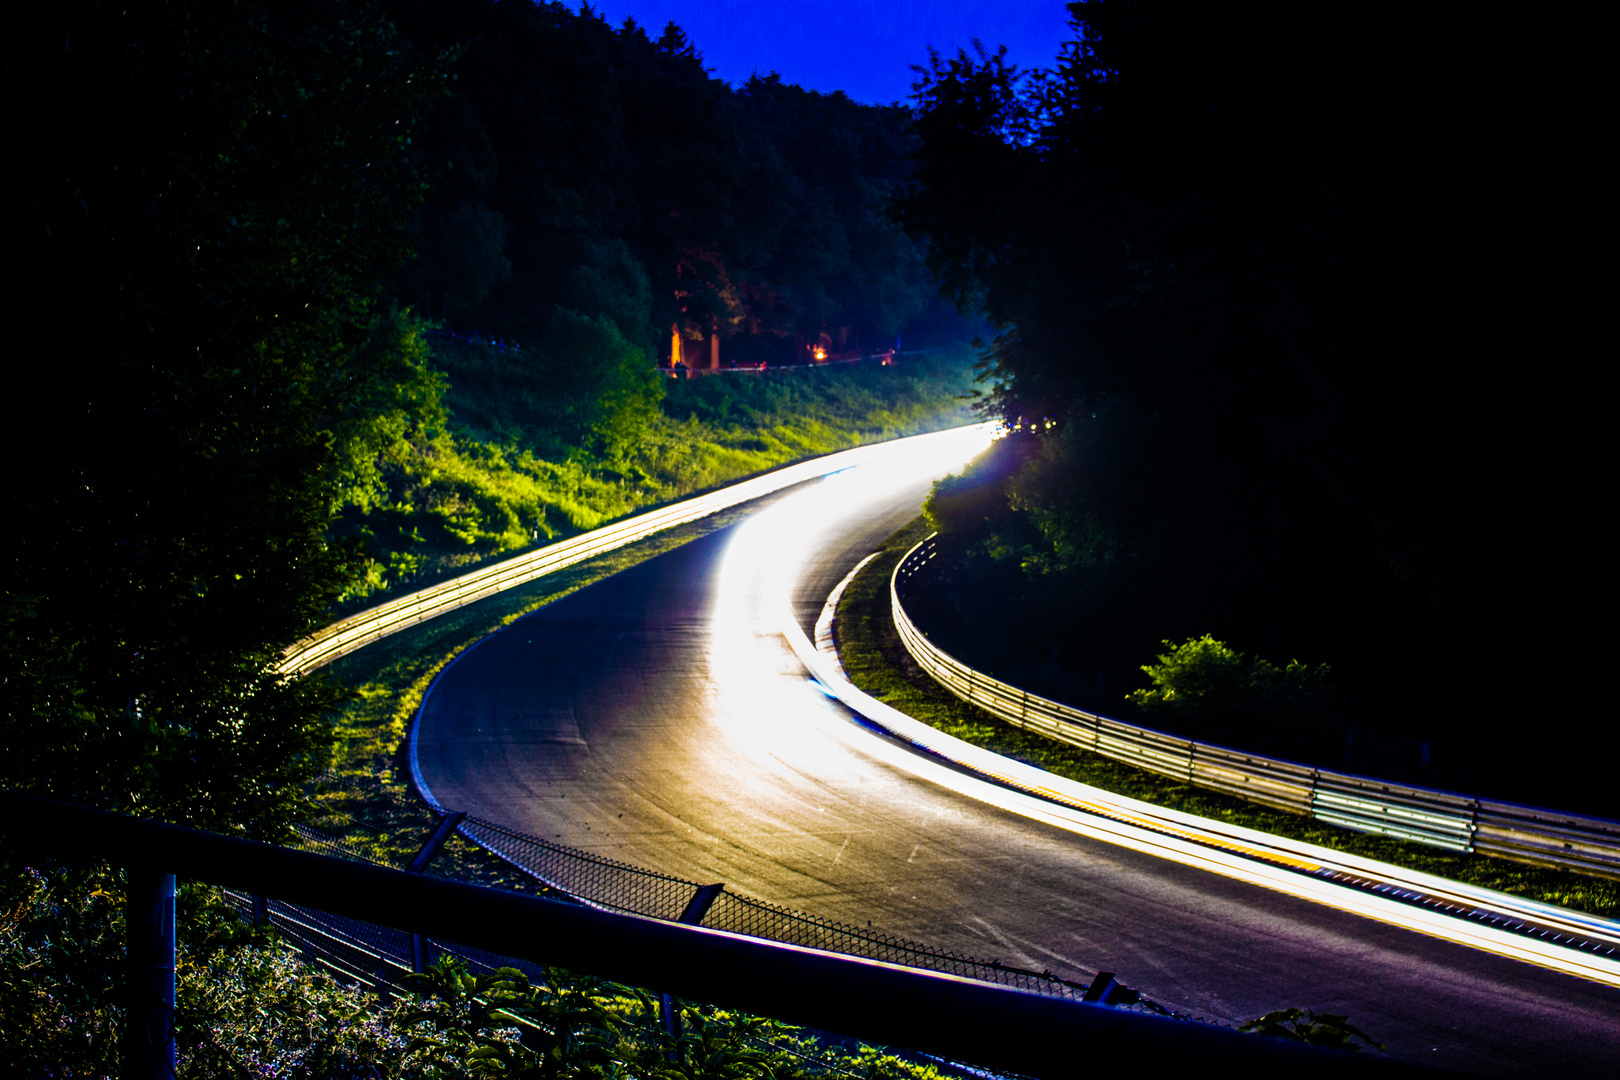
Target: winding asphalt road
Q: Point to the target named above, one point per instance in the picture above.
(658, 718)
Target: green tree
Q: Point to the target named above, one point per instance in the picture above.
(208, 214)
(1241, 299)
(1205, 689)
(758, 213)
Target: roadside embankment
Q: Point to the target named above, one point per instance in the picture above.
(877, 662)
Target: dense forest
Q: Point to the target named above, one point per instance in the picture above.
(322, 300)
(604, 170)
(317, 300)
(1272, 291)
(325, 299)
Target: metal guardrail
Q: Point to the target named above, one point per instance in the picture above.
(1539, 933)
(960, 1019)
(1444, 819)
(346, 635)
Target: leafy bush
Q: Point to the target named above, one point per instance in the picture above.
(260, 1011)
(59, 973)
(1318, 1029)
(1205, 689)
(246, 1005)
(512, 447)
(499, 1024)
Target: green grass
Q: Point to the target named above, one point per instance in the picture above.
(246, 1004)
(709, 432)
(488, 481)
(367, 799)
(878, 663)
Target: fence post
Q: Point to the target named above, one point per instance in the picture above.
(441, 832)
(696, 908)
(1101, 988)
(149, 952)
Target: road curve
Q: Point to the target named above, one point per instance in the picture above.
(660, 718)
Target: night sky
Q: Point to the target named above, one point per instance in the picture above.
(862, 47)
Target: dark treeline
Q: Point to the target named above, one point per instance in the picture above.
(207, 199)
(595, 195)
(583, 170)
(1267, 282)
(230, 221)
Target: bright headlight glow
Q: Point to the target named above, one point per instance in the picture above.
(764, 560)
(777, 725)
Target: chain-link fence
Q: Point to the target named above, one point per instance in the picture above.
(619, 886)
(582, 877)
(588, 878)
(381, 959)
(328, 897)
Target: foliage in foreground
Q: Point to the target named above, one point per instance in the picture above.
(878, 663)
(1316, 1029)
(247, 1006)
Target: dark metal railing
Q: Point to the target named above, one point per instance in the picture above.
(1445, 819)
(961, 1019)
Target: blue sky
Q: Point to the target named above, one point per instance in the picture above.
(862, 47)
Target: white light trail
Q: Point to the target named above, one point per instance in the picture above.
(776, 729)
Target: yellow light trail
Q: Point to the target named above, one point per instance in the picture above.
(769, 554)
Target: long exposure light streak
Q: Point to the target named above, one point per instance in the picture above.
(753, 614)
(360, 629)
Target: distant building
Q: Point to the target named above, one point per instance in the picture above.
(693, 355)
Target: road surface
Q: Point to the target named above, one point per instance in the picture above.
(659, 717)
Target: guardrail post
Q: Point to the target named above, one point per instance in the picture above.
(149, 952)
(1101, 987)
(420, 960)
(261, 911)
(963, 1019)
(696, 908)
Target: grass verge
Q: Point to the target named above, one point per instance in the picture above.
(366, 799)
(878, 663)
(488, 477)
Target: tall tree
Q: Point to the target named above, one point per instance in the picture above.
(624, 181)
(212, 197)
(1238, 261)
